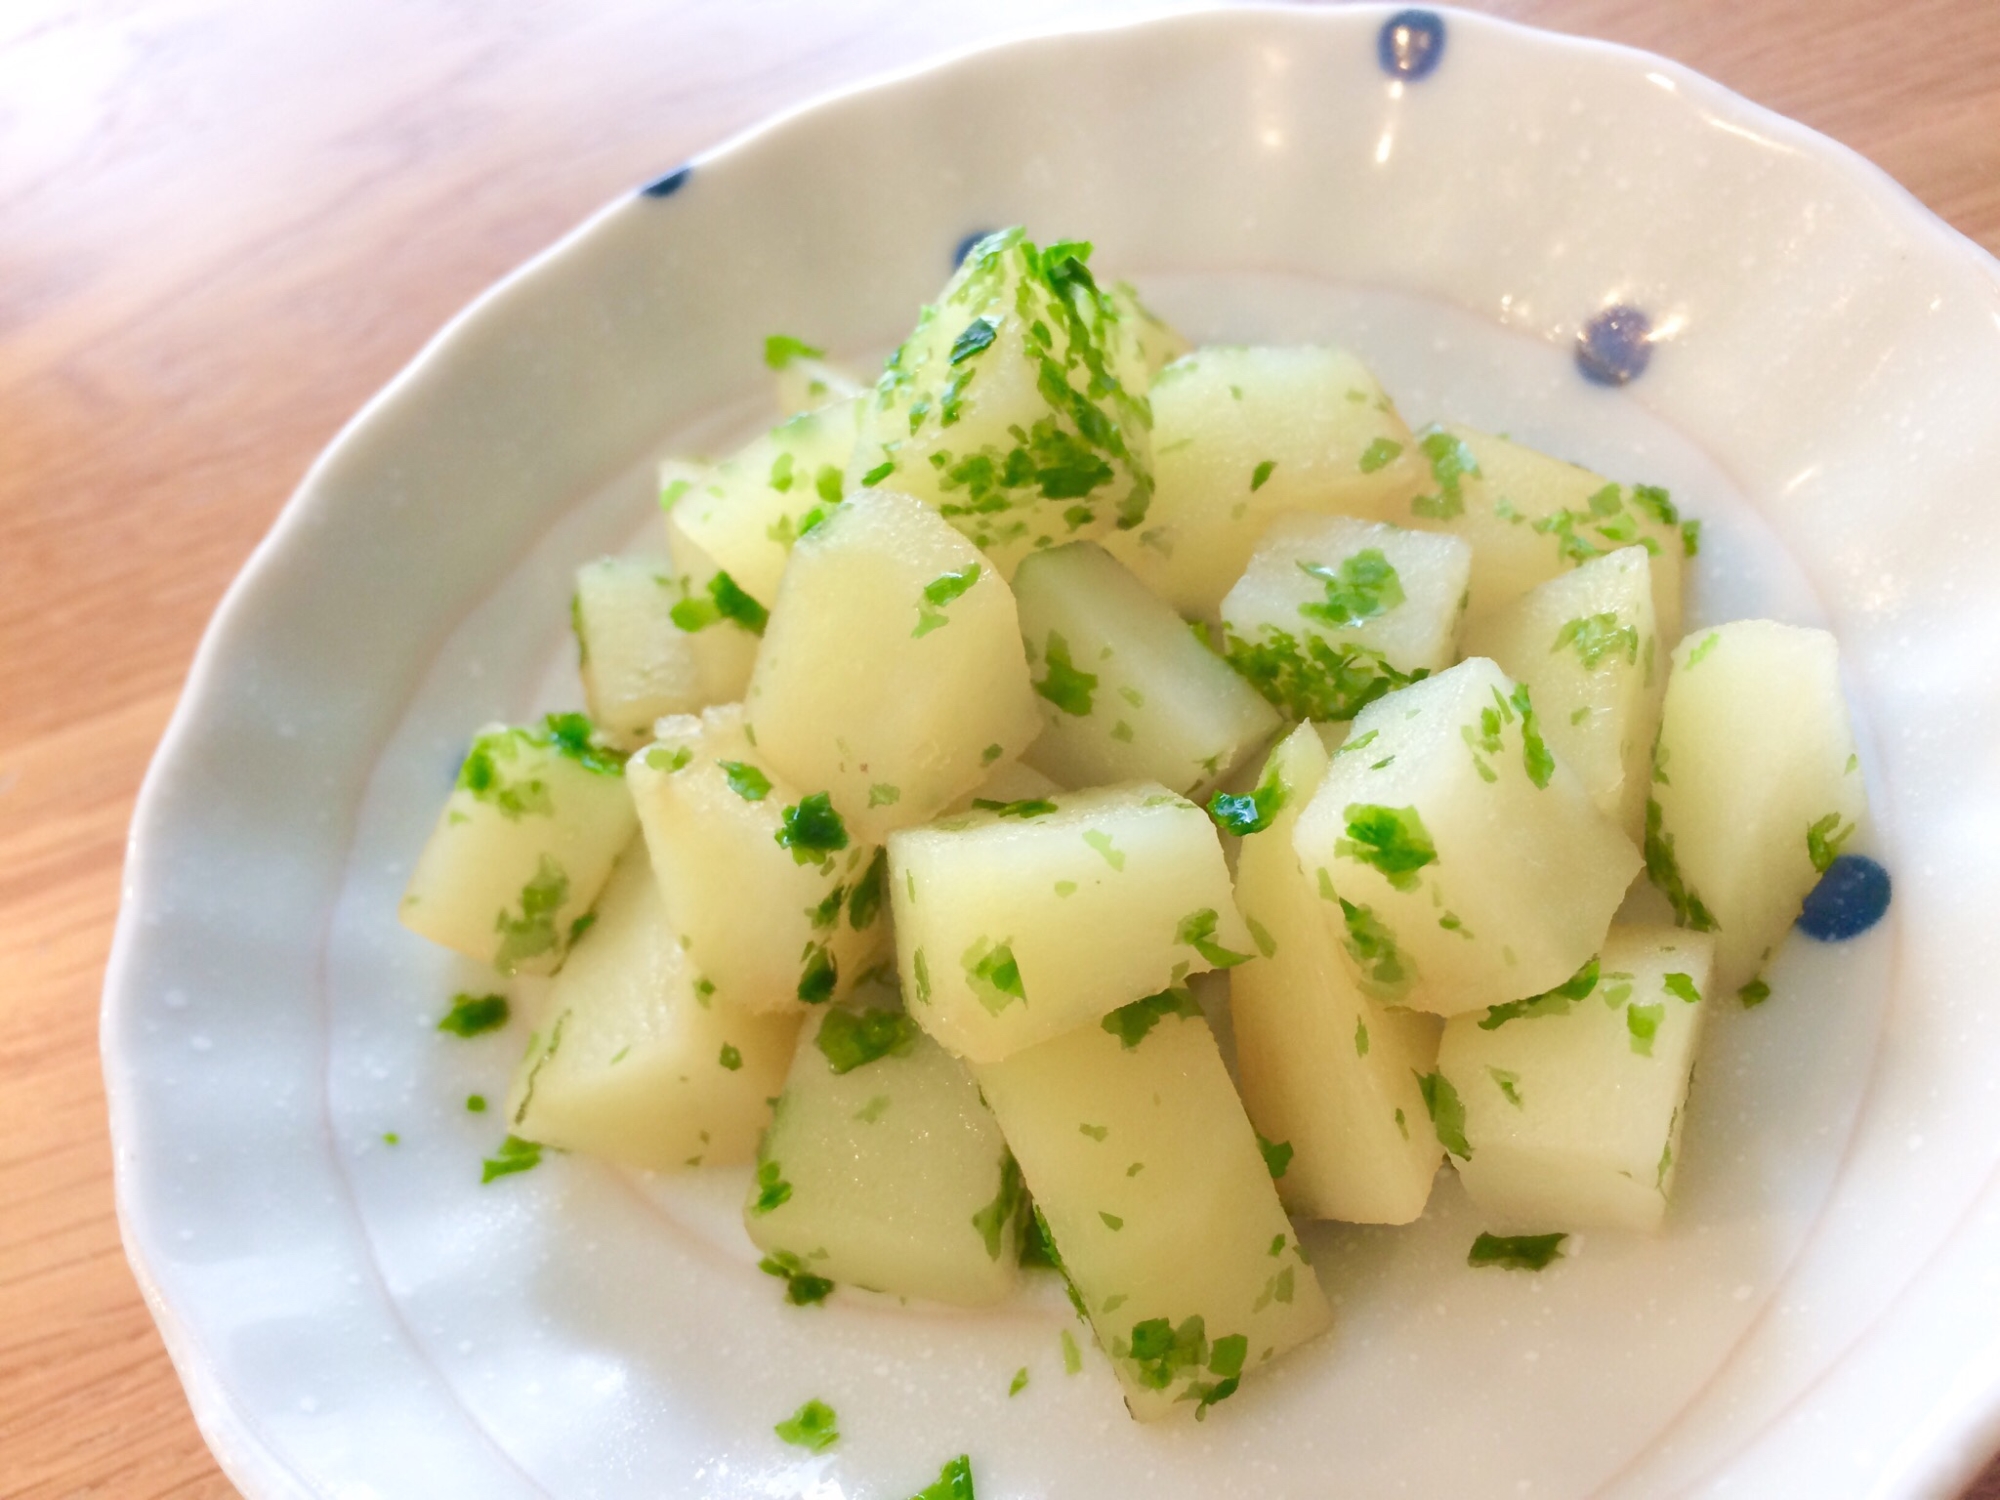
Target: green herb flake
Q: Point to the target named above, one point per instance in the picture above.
(819, 974)
(812, 830)
(1028, 807)
(1017, 1385)
(1708, 643)
(882, 794)
(1755, 993)
(1393, 840)
(1386, 972)
(1095, 1132)
(1690, 538)
(802, 1287)
(1067, 688)
(1308, 677)
(1101, 842)
(1518, 1252)
(473, 1015)
(879, 473)
(976, 336)
(1597, 636)
(1362, 587)
(1277, 1156)
(1261, 475)
(731, 1058)
(1642, 1022)
(772, 1189)
(726, 601)
(1535, 757)
(1664, 870)
(1111, 1221)
(390, 1138)
(993, 1220)
(1447, 1112)
(1255, 811)
(939, 592)
(1131, 1023)
(744, 779)
(992, 974)
(1197, 931)
(864, 902)
(1071, 1355)
(533, 932)
(1380, 454)
(990, 754)
(1508, 1083)
(660, 758)
(1682, 986)
(1261, 936)
(1552, 1002)
(780, 349)
(514, 1155)
(475, 1104)
(1451, 464)
(810, 1427)
(1824, 840)
(849, 1040)
(923, 977)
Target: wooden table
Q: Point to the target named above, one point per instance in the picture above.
(224, 224)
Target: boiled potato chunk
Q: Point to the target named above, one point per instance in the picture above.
(892, 673)
(805, 379)
(1462, 864)
(1332, 612)
(1243, 435)
(1009, 781)
(1007, 408)
(1126, 691)
(1564, 1111)
(774, 900)
(524, 844)
(1324, 1068)
(1014, 924)
(883, 1167)
(1756, 785)
(1158, 1203)
(1586, 645)
(633, 1064)
(746, 513)
(1154, 344)
(638, 663)
(1530, 517)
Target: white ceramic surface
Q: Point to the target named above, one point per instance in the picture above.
(359, 1319)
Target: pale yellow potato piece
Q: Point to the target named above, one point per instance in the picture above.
(1126, 691)
(1462, 864)
(963, 420)
(1013, 926)
(1756, 785)
(1332, 612)
(1152, 345)
(746, 513)
(1323, 1068)
(1530, 517)
(892, 673)
(1565, 1112)
(637, 663)
(891, 1174)
(1009, 781)
(1158, 1202)
(632, 1064)
(525, 842)
(806, 383)
(767, 930)
(1243, 435)
(1586, 645)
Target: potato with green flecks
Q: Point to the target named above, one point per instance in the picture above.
(634, 1064)
(1126, 691)
(1244, 435)
(805, 379)
(1461, 864)
(1564, 1110)
(638, 662)
(891, 674)
(1158, 1203)
(1016, 923)
(1756, 785)
(776, 902)
(1322, 1066)
(883, 1167)
(1332, 613)
(524, 844)
(1007, 409)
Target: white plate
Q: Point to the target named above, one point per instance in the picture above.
(358, 1319)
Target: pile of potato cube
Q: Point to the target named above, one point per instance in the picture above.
(969, 716)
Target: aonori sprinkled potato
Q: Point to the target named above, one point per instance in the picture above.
(933, 671)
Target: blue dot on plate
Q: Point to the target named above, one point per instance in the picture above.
(667, 186)
(1850, 898)
(1411, 44)
(964, 246)
(1615, 346)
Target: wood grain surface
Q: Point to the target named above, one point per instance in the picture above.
(223, 224)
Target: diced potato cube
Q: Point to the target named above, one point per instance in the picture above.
(1242, 435)
(891, 673)
(1465, 863)
(1008, 782)
(775, 902)
(1586, 646)
(1153, 344)
(1016, 924)
(1530, 517)
(633, 1065)
(638, 664)
(1158, 1203)
(1006, 408)
(1324, 1068)
(1126, 691)
(805, 379)
(524, 844)
(1564, 1111)
(747, 512)
(1333, 612)
(884, 1168)
(1756, 785)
